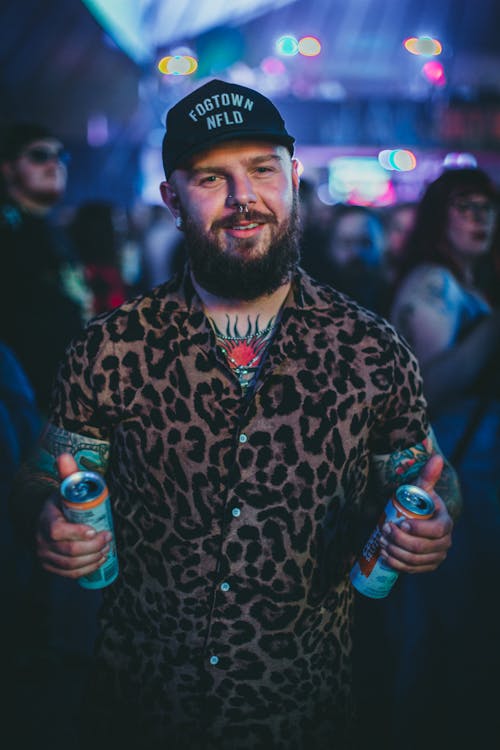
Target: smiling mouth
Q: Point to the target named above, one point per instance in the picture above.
(244, 222)
(244, 227)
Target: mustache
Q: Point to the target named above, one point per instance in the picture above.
(235, 219)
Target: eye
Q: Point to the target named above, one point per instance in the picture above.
(209, 179)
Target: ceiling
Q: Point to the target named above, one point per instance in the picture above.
(64, 66)
(57, 61)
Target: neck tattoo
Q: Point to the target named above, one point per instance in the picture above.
(244, 353)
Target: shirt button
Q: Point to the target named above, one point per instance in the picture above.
(225, 586)
(243, 438)
(236, 512)
(214, 660)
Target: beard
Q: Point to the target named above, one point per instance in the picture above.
(236, 276)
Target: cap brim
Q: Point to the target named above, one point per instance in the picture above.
(247, 135)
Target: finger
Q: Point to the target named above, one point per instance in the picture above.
(407, 562)
(431, 472)
(62, 530)
(66, 465)
(55, 528)
(418, 535)
(73, 548)
(64, 560)
(398, 542)
(73, 573)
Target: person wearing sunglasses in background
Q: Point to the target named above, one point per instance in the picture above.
(44, 300)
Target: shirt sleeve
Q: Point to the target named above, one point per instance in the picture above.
(401, 419)
(78, 396)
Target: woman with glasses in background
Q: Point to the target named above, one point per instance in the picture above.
(454, 330)
(438, 305)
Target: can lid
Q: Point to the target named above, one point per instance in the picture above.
(82, 486)
(415, 499)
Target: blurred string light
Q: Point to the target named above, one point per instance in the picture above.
(423, 45)
(288, 46)
(359, 180)
(177, 65)
(433, 71)
(397, 160)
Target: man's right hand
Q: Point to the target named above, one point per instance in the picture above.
(71, 550)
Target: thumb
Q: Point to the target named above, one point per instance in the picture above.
(431, 472)
(66, 465)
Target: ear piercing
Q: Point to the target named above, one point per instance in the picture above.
(178, 222)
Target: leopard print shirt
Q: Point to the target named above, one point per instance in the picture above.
(236, 517)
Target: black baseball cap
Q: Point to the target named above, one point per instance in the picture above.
(219, 111)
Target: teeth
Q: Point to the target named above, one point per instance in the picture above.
(247, 226)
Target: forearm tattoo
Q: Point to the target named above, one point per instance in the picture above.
(402, 467)
(89, 453)
(38, 478)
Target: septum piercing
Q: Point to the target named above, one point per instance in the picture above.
(242, 207)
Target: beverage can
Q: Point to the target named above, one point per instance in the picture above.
(85, 499)
(371, 575)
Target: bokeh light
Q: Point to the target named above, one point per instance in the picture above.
(359, 180)
(287, 46)
(272, 66)
(423, 45)
(177, 65)
(434, 72)
(97, 130)
(309, 46)
(397, 159)
(458, 160)
(403, 160)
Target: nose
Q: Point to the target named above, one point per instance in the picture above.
(241, 192)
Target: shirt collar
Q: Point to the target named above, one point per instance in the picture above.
(305, 294)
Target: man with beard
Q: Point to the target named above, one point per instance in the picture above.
(43, 296)
(238, 413)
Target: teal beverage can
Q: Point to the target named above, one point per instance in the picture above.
(85, 499)
(371, 575)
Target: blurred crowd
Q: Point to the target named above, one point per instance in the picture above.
(431, 267)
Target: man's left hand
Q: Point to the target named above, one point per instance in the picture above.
(420, 546)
